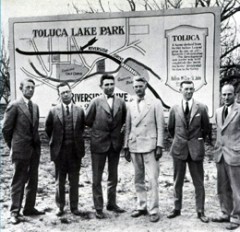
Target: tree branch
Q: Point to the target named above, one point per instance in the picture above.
(229, 51)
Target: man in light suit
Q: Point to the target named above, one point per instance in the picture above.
(64, 127)
(188, 125)
(143, 145)
(106, 116)
(227, 157)
(20, 131)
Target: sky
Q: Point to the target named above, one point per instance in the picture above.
(23, 8)
(26, 8)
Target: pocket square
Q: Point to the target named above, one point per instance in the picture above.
(197, 115)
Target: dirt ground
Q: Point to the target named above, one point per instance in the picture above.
(126, 199)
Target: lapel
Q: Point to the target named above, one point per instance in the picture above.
(74, 113)
(104, 104)
(220, 117)
(116, 105)
(59, 110)
(144, 112)
(25, 109)
(181, 113)
(230, 116)
(193, 110)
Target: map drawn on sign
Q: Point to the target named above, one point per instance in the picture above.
(72, 63)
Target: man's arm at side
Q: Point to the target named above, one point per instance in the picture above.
(49, 124)
(90, 113)
(160, 123)
(9, 121)
(205, 123)
(127, 132)
(171, 123)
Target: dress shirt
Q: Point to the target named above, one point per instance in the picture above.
(229, 108)
(109, 100)
(26, 101)
(65, 107)
(141, 104)
(190, 102)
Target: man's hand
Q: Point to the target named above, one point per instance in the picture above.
(158, 153)
(127, 154)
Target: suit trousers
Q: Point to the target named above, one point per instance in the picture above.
(67, 164)
(228, 188)
(25, 172)
(98, 163)
(197, 174)
(146, 162)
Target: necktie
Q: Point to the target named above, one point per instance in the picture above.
(67, 110)
(30, 107)
(186, 109)
(138, 102)
(111, 96)
(226, 112)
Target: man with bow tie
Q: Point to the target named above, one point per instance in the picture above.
(227, 157)
(188, 124)
(106, 116)
(20, 131)
(65, 126)
(143, 145)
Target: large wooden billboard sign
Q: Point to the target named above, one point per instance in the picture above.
(165, 47)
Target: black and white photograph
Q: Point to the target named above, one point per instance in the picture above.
(120, 115)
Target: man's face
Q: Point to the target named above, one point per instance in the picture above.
(228, 95)
(108, 87)
(139, 88)
(28, 89)
(187, 91)
(65, 94)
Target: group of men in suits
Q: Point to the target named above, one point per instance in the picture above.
(139, 128)
(188, 124)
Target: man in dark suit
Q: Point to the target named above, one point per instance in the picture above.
(227, 157)
(188, 125)
(106, 116)
(64, 126)
(20, 131)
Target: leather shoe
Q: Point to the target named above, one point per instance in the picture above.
(115, 208)
(99, 214)
(154, 217)
(174, 213)
(32, 212)
(76, 212)
(137, 213)
(232, 226)
(14, 218)
(59, 212)
(202, 217)
(221, 219)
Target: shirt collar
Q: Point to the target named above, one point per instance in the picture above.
(229, 107)
(190, 102)
(25, 100)
(70, 105)
(107, 96)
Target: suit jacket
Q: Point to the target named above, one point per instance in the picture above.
(145, 130)
(228, 136)
(188, 139)
(20, 131)
(106, 124)
(54, 127)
